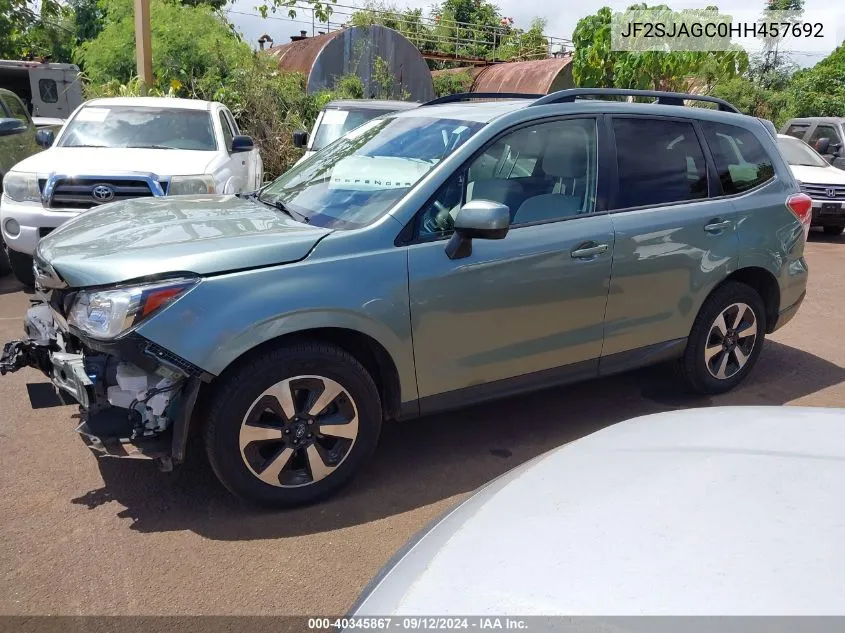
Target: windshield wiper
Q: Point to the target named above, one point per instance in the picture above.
(280, 206)
(86, 146)
(150, 147)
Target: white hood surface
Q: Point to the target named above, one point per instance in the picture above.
(100, 161)
(819, 175)
(717, 511)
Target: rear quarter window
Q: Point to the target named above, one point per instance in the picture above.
(741, 160)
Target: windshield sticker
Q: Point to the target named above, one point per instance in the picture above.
(94, 115)
(373, 173)
(334, 117)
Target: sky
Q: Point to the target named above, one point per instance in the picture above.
(561, 16)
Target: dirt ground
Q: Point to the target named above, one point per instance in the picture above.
(87, 537)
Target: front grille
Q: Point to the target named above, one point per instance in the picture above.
(79, 193)
(44, 232)
(822, 192)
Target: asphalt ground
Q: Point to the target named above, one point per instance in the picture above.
(80, 536)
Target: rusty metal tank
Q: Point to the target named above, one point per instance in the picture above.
(355, 50)
(540, 76)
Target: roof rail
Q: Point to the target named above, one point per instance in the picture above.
(663, 98)
(469, 96)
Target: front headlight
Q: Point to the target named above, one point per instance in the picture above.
(187, 185)
(21, 187)
(106, 314)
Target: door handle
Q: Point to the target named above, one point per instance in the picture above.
(591, 249)
(716, 225)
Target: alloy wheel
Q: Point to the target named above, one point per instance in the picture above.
(731, 341)
(298, 431)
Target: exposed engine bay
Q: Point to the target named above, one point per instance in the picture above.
(134, 401)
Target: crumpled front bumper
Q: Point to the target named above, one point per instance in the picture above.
(107, 430)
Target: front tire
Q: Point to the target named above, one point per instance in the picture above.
(21, 265)
(726, 339)
(833, 230)
(293, 425)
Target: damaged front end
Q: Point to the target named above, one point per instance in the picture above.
(135, 398)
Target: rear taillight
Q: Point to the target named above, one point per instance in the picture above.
(801, 206)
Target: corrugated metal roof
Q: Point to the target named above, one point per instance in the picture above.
(357, 50)
(539, 76)
(299, 56)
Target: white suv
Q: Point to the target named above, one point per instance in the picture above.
(120, 148)
(823, 182)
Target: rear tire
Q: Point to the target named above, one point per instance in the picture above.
(834, 230)
(267, 441)
(21, 265)
(725, 341)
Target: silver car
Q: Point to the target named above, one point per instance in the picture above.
(719, 511)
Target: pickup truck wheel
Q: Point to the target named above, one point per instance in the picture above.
(21, 265)
(726, 339)
(834, 230)
(293, 425)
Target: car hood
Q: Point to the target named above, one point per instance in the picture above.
(716, 511)
(151, 236)
(101, 161)
(819, 175)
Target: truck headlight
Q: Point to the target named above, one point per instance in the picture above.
(106, 314)
(21, 187)
(187, 185)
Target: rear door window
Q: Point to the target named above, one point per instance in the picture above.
(798, 130)
(741, 160)
(660, 162)
(824, 131)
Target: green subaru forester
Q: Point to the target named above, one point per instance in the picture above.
(452, 253)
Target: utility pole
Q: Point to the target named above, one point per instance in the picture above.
(143, 49)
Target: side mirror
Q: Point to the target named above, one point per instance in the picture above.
(823, 145)
(45, 138)
(480, 220)
(242, 144)
(300, 139)
(9, 127)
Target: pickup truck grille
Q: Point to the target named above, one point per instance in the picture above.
(822, 192)
(79, 193)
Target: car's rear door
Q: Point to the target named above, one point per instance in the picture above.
(527, 309)
(676, 237)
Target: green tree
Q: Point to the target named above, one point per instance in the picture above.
(521, 45)
(30, 29)
(193, 48)
(596, 64)
(452, 82)
(820, 90)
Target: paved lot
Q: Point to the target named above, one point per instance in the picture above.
(86, 537)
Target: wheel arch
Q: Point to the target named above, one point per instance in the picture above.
(364, 348)
(766, 285)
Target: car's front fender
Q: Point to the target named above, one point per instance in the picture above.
(228, 315)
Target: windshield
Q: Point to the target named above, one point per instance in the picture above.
(800, 154)
(145, 127)
(357, 179)
(335, 123)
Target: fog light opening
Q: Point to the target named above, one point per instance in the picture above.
(12, 227)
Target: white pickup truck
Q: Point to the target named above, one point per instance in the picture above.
(120, 148)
